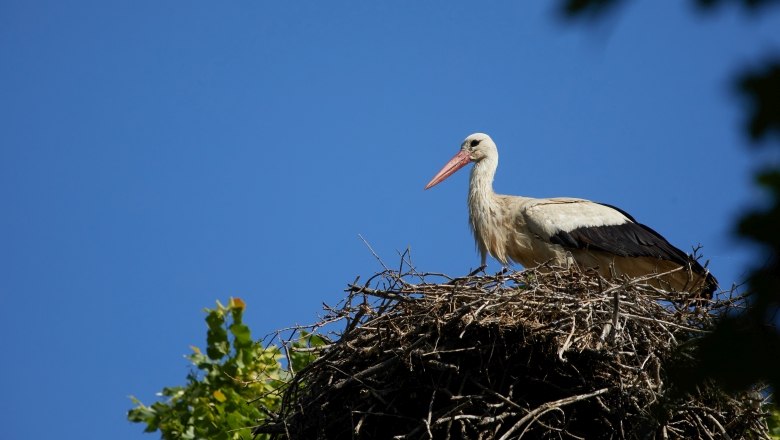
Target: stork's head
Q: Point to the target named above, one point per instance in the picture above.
(478, 146)
(474, 148)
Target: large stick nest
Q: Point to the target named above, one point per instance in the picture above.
(532, 354)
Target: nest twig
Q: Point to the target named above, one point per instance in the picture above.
(531, 354)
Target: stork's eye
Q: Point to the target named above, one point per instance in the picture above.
(474, 143)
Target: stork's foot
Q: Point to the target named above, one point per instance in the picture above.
(478, 270)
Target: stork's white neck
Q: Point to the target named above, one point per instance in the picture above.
(484, 209)
(481, 181)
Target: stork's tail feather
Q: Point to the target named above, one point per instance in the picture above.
(710, 285)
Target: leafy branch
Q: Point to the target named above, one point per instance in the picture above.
(231, 387)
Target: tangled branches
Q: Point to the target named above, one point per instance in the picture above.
(553, 354)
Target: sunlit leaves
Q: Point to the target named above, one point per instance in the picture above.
(227, 385)
(303, 356)
(219, 395)
(216, 337)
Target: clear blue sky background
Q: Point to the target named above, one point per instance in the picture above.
(158, 156)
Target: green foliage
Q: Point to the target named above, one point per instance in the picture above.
(228, 384)
(761, 88)
(743, 348)
(773, 420)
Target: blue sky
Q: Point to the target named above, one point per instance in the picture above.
(158, 156)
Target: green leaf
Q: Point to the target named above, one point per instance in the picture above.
(242, 334)
(216, 337)
(214, 404)
(237, 307)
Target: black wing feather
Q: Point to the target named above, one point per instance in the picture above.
(627, 240)
(630, 239)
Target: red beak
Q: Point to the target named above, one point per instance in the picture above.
(456, 163)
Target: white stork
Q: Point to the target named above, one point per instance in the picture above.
(565, 231)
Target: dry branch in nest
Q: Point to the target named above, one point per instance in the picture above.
(531, 354)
